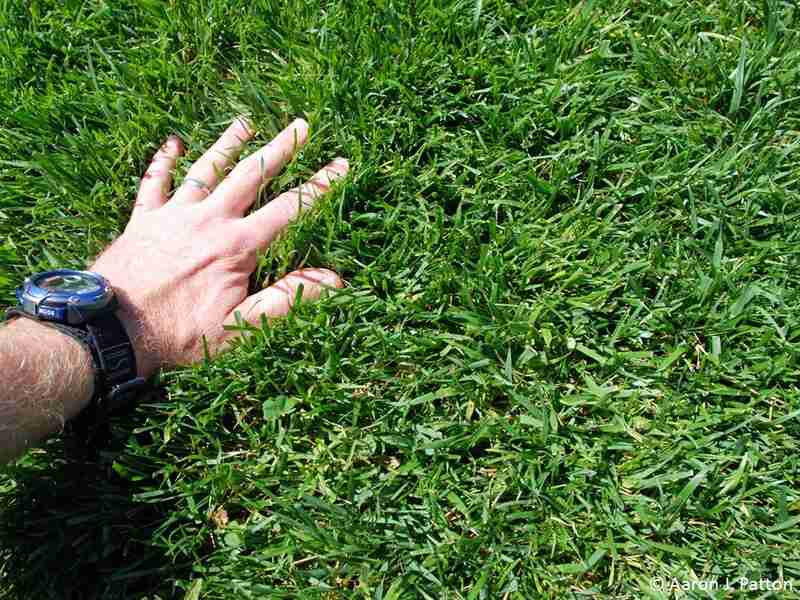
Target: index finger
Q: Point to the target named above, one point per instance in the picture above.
(237, 192)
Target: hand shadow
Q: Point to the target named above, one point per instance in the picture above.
(71, 528)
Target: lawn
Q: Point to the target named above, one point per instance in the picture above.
(567, 361)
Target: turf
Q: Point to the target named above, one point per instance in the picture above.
(566, 363)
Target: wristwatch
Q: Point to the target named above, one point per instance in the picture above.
(82, 304)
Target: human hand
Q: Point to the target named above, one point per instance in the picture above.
(181, 267)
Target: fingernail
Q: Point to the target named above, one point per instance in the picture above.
(338, 168)
(299, 123)
(331, 279)
(246, 123)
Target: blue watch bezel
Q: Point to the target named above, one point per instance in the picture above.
(70, 308)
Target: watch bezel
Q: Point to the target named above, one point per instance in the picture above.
(68, 307)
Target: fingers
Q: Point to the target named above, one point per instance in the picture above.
(210, 168)
(276, 300)
(261, 227)
(157, 179)
(239, 189)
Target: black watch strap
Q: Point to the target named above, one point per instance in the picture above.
(115, 356)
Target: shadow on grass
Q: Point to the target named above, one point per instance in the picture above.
(71, 528)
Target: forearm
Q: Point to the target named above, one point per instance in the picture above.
(46, 378)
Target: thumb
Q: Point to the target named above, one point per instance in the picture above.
(277, 299)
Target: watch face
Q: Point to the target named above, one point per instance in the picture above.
(74, 283)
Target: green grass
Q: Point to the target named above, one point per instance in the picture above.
(567, 360)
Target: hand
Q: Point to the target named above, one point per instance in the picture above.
(181, 268)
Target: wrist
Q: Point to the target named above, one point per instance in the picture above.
(131, 310)
(65, 359)
(131, 317)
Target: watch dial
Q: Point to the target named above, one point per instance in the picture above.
(77, 283)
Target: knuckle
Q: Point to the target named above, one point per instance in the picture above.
(297, 199)
(239, 243)
(286, 206)
(317, 185)
(253, 167)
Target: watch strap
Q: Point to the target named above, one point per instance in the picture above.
(115, 356)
